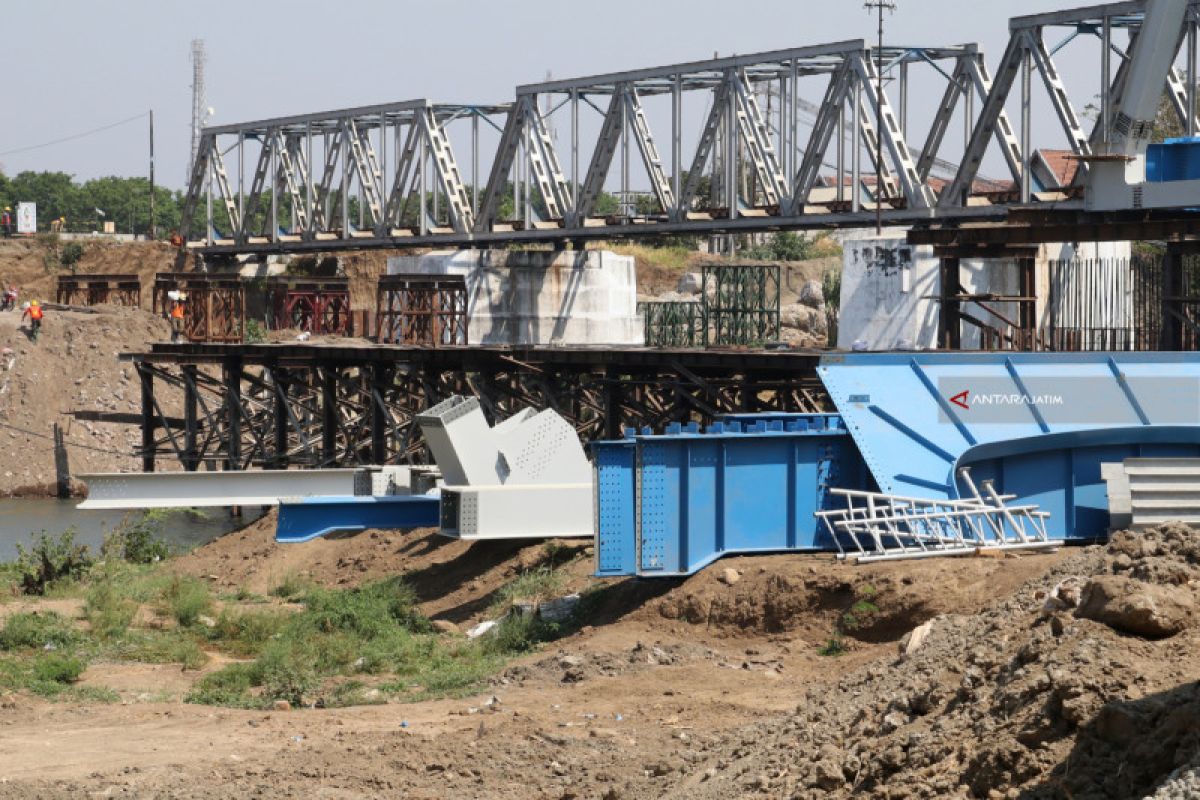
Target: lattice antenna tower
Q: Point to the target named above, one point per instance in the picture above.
(199, 103)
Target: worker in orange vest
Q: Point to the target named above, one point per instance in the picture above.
(34, 312)
(177, 313)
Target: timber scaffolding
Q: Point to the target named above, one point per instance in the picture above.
(227, 407)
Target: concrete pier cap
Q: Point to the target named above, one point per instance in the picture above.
(540, 297)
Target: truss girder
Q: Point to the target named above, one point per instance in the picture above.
(762, 167)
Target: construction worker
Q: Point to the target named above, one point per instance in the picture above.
(178, 309)
(6, 220)
(9, 302)
(34, 312)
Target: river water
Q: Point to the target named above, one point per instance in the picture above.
(21, 520)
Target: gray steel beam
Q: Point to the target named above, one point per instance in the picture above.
(114, 490)
(716, 65)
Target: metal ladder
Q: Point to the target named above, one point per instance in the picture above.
(883, 527)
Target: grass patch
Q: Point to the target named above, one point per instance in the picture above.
(228, 686)
(185, 599)
(37, 630)
(676, 257)
(292, 586)
(108, 611)
(245, 633)
(159, 647)
(534, 585)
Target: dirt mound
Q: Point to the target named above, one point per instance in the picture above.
(1025, 699)
(813, 596)
(454, 580)
(32, 263)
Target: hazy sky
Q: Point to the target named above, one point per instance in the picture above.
(73, 66)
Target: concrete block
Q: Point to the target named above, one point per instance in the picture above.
(540, 297)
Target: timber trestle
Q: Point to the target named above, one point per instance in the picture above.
(212, 406)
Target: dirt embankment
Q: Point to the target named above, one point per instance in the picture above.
(72, 366)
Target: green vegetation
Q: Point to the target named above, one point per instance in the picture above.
(323, 647)
(856, 617)
(186, 599)
(51, 560)
(139, 541)
(256, 332)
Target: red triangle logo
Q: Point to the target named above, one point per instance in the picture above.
(960, 399)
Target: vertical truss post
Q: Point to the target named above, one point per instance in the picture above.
(191, 457)
(1171, 334)
(280, 416)
(380, 381)
(949, 315)
(1027, 306)
(1026, 124)
(146, 378)
(232, 369)
(329, 414)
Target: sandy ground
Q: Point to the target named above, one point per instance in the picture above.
(663, 666)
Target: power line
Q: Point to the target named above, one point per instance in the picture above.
(73, 137)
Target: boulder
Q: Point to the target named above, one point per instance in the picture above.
(913, 640)
(690, 283)
(803, 318)
(1137, 607)
(812, 295)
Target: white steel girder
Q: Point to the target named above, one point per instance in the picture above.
(134, 490)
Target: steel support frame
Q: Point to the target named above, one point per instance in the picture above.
(92, 290)
(341, 409)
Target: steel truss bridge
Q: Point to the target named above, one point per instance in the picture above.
(388, 175)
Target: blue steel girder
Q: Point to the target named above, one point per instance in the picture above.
(915, 416)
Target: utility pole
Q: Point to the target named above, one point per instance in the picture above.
(153, 230)
(879, 6)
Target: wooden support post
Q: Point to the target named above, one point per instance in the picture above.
(146, 376)
(62, 467)
(233, 404)
(949, 321)
(191, 458)
(329, 416)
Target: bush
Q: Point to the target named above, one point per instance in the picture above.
(137, 542)
(287, 672)
(108, 612)
(36, 630)
(56, 668)
(255, 332)
(782, 246)
(70, 255)
(50, 560)
(186, 599)
(292, 586)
